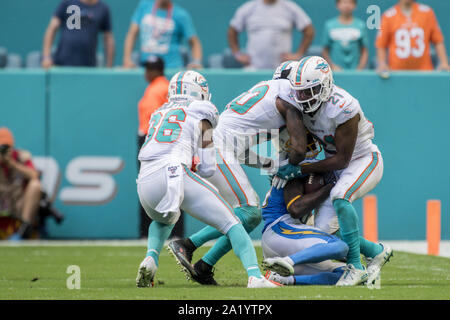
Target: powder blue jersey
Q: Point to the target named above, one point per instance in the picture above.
(273, 206)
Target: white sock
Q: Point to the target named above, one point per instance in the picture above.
(290, 280)
(289, 260)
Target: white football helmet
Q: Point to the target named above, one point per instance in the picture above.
(312, 82)
(283, 70)
(188, 85)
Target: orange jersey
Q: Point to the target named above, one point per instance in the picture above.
(408, 38)
(154, 97)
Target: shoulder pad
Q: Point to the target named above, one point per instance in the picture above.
(285, 92)
(345, 104)
(205, 110)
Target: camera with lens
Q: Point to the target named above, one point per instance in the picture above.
(4, 149)
(46, 209)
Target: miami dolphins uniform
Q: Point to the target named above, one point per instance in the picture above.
(366, 166)
(165, 181)
(252, 114)
(246, 121)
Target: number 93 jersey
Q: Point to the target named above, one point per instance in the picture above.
(174, 131)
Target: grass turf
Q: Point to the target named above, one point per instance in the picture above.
(107, 272)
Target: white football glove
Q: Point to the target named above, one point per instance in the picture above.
(278, 183)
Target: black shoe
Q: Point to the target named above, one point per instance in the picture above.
(183, 255)
(204, 274)
(185, 247)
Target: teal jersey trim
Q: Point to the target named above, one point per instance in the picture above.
(363, 177)
(180, 82)
(231, 180)
(193, 176)
(300, 67)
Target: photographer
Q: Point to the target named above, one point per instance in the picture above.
(20, 188)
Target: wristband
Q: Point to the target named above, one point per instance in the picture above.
(292, 201)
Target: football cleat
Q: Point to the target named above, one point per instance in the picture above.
(352, 276)
(375, 264)
(181, 246)
(182, 256)
(273, 276)
(204, 274)
(278, 265)
(146, 273)
(254, 282)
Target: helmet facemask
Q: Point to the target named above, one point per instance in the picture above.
(309, 99)
(311, 83)
(197, 94)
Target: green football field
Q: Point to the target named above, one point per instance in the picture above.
(108, 272)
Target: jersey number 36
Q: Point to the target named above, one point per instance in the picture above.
(169, 128)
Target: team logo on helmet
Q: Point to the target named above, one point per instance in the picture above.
(189, 85)
(311, 83)
(201, 81)
(324, 67)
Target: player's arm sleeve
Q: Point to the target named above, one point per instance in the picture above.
(349, 110)
(206, 151)
(205, 110)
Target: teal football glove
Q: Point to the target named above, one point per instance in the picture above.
(290, 171)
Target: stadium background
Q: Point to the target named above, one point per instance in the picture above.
(64, 114)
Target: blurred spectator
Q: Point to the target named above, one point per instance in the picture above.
(78, 44)
(345, 39)
(269, 26)
(403, 42)
(20, 188)
(155, 96)
(162, 26)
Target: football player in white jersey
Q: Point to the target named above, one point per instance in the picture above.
(178, 130)
(252, 114)
(337, 121)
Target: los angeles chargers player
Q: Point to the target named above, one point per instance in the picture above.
(337, 121)
(284, 248)
(266, 106)
(294, 252)
(178, 130)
